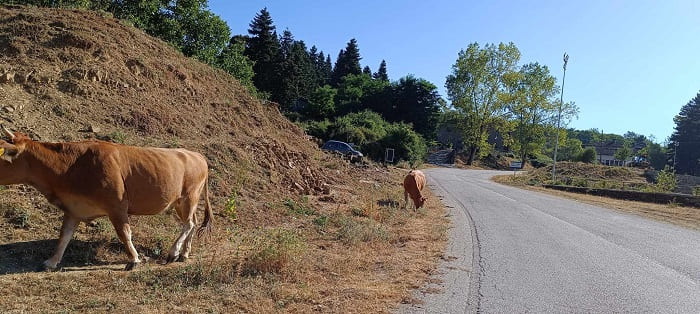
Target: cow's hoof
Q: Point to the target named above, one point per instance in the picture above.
(131, 266)
(182, 259)
(47, 268)
(170, 259)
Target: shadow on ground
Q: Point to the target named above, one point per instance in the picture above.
(25, 257)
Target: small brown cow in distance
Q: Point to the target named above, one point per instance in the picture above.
(92, 179)
(413, 184)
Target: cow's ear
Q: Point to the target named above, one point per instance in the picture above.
(8, 152)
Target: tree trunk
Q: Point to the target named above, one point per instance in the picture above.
(472, 153)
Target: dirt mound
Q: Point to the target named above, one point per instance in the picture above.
(71, 75)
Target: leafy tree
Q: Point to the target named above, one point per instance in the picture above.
(348, 62)
(623, 152)
(197, 31)
(359, 92)
(588, 155)
(685, 140)
(263, 48)
(529, 99)
(233, 61)
(321, 103)
(474, 87)
(571, 150)
(381, 74)
(656, 154)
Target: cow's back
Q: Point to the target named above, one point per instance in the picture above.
(414, 181)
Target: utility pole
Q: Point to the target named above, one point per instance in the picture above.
(674, 155)
(561, 103)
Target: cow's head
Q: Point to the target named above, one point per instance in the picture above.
(12, 167)
(421, 201)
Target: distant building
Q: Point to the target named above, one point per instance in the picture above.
(606, 153)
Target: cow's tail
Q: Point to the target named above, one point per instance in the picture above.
(206, 224)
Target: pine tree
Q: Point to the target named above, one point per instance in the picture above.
(367, 70)
(328, 69)
(297, 76)
(685, 140)
(348, 62)
(263, 49)
(381, 74)
(286, 41)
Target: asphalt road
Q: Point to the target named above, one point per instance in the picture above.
(516, 251)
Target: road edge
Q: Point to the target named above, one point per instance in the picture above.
(458, 271)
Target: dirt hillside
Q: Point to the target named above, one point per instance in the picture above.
(296, 229)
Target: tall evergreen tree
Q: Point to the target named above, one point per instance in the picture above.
(328, 68)
(348, 62)
(367, 70)
(263, 49)
(685, 140)
(286, 42)
(297, 76)
(415, 101)
(381, 74)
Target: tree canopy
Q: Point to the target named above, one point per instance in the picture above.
(684, 144)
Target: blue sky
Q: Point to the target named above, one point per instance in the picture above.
(632, 64)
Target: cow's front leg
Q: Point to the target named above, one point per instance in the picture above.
(121, 226)
(67, 229)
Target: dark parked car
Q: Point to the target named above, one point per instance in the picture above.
(343, 148)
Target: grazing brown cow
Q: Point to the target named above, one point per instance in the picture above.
(92, 179)
(413, 183)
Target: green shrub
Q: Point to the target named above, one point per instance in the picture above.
(588, 155)
(407, 144)
(665, 181)
(231, 207)
(696, 190)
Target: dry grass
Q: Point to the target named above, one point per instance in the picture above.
(688, 217)
(355, 250)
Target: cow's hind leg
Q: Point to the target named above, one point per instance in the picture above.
(121, 226)
(185, 211)
(69, 224)
(188, 244)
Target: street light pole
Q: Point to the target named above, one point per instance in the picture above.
(561, 103)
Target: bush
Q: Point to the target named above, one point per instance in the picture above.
(318, 129)
(408, 145)
(272, 251)
(588, 155)
(373, 135)
(665, 181)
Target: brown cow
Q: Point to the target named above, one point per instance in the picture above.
(413, 184)
(92, 179)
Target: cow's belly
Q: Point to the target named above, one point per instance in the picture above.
(83, 209)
